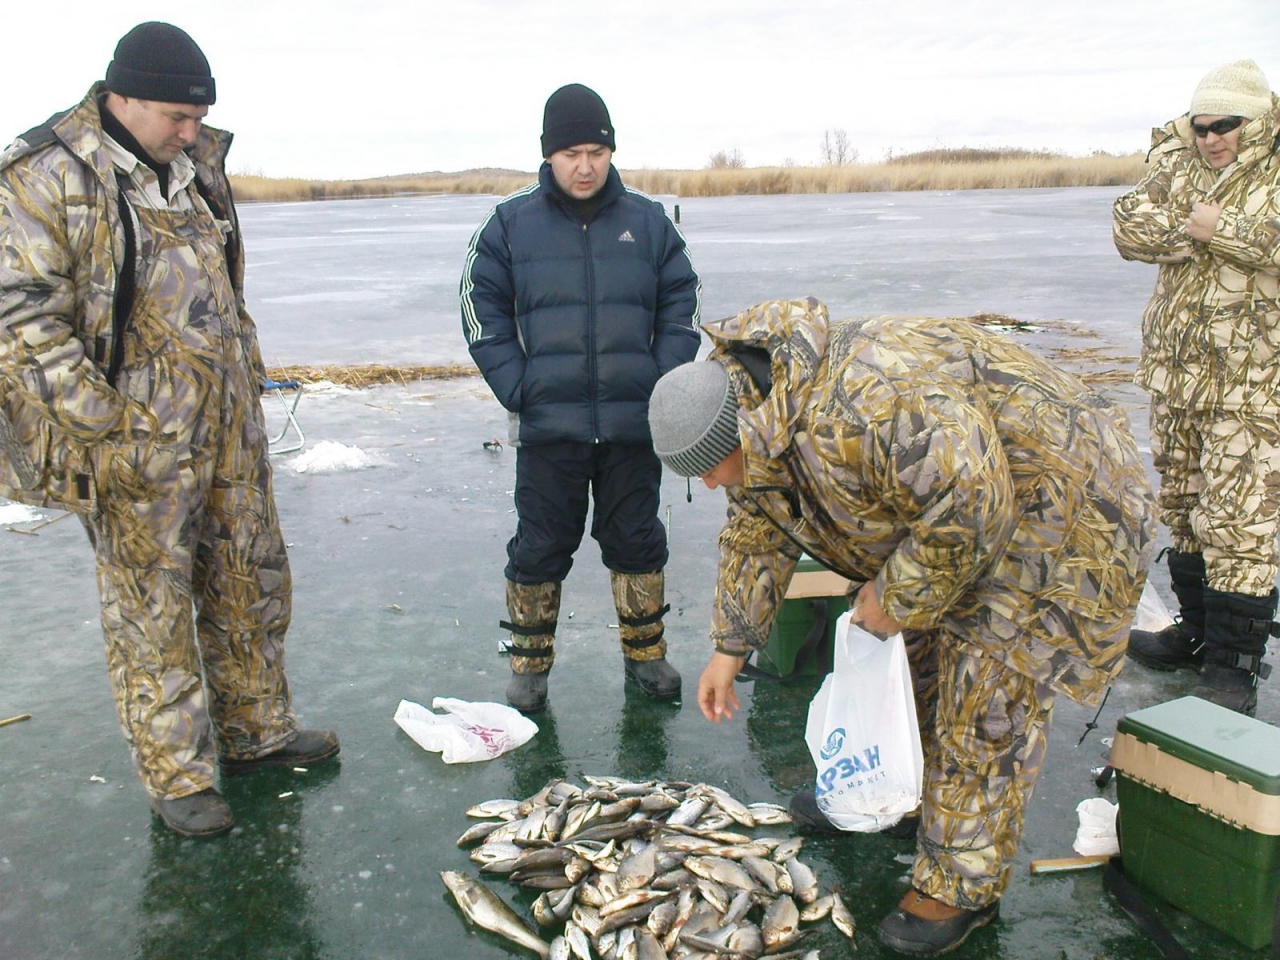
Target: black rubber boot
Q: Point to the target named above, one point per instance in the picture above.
(527, 692)
(657, 678)
(1181, 644)
(203, 814)
(638, 599)
(534, 609)
(1237, 626)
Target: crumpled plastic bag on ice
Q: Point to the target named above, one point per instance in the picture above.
(466, 731)
(1152, 614)
(1097, 834)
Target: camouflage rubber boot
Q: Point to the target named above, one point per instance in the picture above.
(638, 599)
(1237, 626)
(534, 609)
(1181, 644)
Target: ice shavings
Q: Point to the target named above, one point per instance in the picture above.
(329, 456)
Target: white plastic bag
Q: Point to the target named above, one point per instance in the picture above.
(1097, 833)
(1152, 614)
(466, 731)
(863, 735)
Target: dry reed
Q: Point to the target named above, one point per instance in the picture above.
(962, 169)
(1092, 365)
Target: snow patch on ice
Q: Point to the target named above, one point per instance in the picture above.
(329, 456)
(11, 513)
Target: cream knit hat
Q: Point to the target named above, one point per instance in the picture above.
(1234, 90)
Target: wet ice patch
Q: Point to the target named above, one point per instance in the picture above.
(11, 513)
(329, 456)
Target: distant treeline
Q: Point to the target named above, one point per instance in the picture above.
(954, 169)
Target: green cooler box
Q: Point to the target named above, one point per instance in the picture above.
(1198, 788)
(815, 599)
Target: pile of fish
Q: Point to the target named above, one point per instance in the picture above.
(644, 871)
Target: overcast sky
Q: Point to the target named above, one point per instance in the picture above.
(357, 88)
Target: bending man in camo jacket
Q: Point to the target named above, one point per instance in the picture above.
(1209, 214)
(991, 507)
(129, 393)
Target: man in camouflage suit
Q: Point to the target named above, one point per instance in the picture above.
(988, 505)
(129, 393)
(1209, 214)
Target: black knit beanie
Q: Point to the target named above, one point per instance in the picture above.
(575, 114)
(157, 61)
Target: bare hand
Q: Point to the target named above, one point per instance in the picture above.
(871, 615)
(1203, 221)
(715, 687)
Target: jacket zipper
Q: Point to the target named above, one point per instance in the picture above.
(592, 371)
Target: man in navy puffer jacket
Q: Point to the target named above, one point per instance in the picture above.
(577, 295)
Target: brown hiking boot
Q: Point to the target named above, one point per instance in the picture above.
(924, 927)
(203, 814)
(309, 746)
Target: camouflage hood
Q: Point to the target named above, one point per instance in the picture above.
(1211, 331)
(794, 335)
(969, 479)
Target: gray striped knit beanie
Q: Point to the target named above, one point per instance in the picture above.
(693, 417)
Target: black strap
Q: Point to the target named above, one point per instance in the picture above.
(533, 653)
(1131, 902)
(125, 284)
(529, 629)
(644, 621)
(809, 647)
(644, 642)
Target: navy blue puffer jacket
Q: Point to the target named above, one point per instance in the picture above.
(573, 323)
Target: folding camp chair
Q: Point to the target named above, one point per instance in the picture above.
(290, 407)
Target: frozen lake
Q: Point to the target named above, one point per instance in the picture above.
(376, 281)
(397, 572)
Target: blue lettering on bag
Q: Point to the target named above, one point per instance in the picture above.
(846, 768)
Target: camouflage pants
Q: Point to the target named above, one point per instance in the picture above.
(194, 585)
(1220, 492)
(985, 730)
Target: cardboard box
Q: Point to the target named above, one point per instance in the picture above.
(1198, 788)
(814, 601)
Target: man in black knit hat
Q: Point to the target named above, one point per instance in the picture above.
(130, 378)
(578, 294)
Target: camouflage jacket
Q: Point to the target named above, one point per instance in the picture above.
(62, 246)
(1211, 331)
(987, 493)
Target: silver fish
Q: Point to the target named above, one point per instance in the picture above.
(803, 880)
(781, 924)
(486, 909)
(648, 947)
(492, 850)
(478, 831)
(765, 871)
(688, 812)
(787, 849)
(841, 916)
(769, 814)
(817, 910)
(720, 870)
(578, 941)
(494, 808)
(638, 869)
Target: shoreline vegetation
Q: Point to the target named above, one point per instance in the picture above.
(943, 169)
(1093, 365)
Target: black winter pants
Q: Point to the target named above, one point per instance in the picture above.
(553, 481)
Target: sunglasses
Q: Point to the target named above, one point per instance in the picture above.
(1219, 127)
